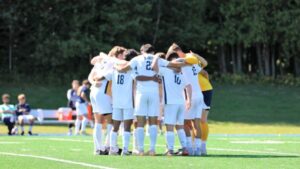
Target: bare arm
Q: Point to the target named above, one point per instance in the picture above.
(123, 68)
(203, 62)
(189, 96)
(154, 65)
(204, 73)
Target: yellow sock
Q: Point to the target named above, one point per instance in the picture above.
(204, 131)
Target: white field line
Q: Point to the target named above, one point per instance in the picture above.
(56, 159)
(215, 149)
(10, 142)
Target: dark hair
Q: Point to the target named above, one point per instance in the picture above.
(130, 53)
(161, 55)
(147, 48)
(85, 82)
(171, 55)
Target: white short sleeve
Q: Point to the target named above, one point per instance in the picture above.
(133, 63)
(163, 62)
(108, 75)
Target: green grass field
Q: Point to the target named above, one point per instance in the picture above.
(266, 151)
(251, 126)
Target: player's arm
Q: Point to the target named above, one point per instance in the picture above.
(154, 78)
(189, 96)
(84, 97)
(204, 73)
(123, 68)
(203, 62)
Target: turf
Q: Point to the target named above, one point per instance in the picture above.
(265, 151)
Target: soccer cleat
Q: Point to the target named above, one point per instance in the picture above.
(105, 152)
(22, 133)
(97, 152)
(29, 132)
(182, 152)
(151, 153)
(197, 152)
(125, 153)
(170, 153)
(113, 153)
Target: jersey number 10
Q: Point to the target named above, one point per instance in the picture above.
(177, 80)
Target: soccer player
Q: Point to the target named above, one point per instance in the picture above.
(100, 100)
(207, 91)
(174, 85)
(23, 109)
(8, 111)
(122, 101)
(147, 95)
(195, 113)
(81, 107)
(72, 97)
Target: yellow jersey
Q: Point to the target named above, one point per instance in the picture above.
(204, 83)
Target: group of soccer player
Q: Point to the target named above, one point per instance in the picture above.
(135, 88)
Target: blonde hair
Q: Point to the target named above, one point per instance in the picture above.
(173, 48)
(116, 50)
(5, 96)
(21, 96)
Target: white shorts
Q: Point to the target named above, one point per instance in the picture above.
(101, 102)
(147, 104)
(81, 108)
(26, 118)
(195, 110)
(122, 114)
(174, 114)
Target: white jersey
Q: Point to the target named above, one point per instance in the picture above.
(106, 65)
(122, 91)
(191, 74)
(173, 86)
(142, 66)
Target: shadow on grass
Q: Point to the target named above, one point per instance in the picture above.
(235, 156)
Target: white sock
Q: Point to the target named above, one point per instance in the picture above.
(30, 128)
(153, 136)
(108, 131)
(140, 138)
(97, 133)
(189, 142)
(182, 137)
(113, 140)
(126, 140)
(84, 123)
(170, 137)
(197, 142)
(22, 128)
(77, 126)
(135, 145)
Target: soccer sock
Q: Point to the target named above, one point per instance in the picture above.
(170, 137)
(189, 144)
(97, 136)
(153, 136)
(30, 127)
(126, 140)
(182, 137)
(204, 131)
(84, 123)
(135, 142)
(77, 126)
(108, 131)
(22, 128)
(197, 142)
(140, 138)
(113, 140)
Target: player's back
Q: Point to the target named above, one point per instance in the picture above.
(191, 74)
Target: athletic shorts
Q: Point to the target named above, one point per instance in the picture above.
(147, 104)
(174, 114)
(26, 118)
(195, 111)
(101, 103)
(122, 114)
(81, 108)
(207, 95)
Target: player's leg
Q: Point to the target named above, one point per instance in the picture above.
(196, 123)
(153, 114)
(79, 115)
(117, 117)
(170, 121)
(84, 122)
(97, 133)
(134, 144)
(21, 122)
(128, 118)
(187, 129)
(204, 125)
(141, 110)
(180, 130)
(30, 119)
(109, 127)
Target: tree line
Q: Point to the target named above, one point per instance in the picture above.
(237, 37)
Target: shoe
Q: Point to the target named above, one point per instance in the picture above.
(170, 153)
(111, 152)
(97, 152)
(197, 152)
(182, 152)
(22, 133)
(120, 151)
(135, 152)
(139, 153)
(125, 153)
(29, 132)
(105, 152)
(203, 151)
(151, 153)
